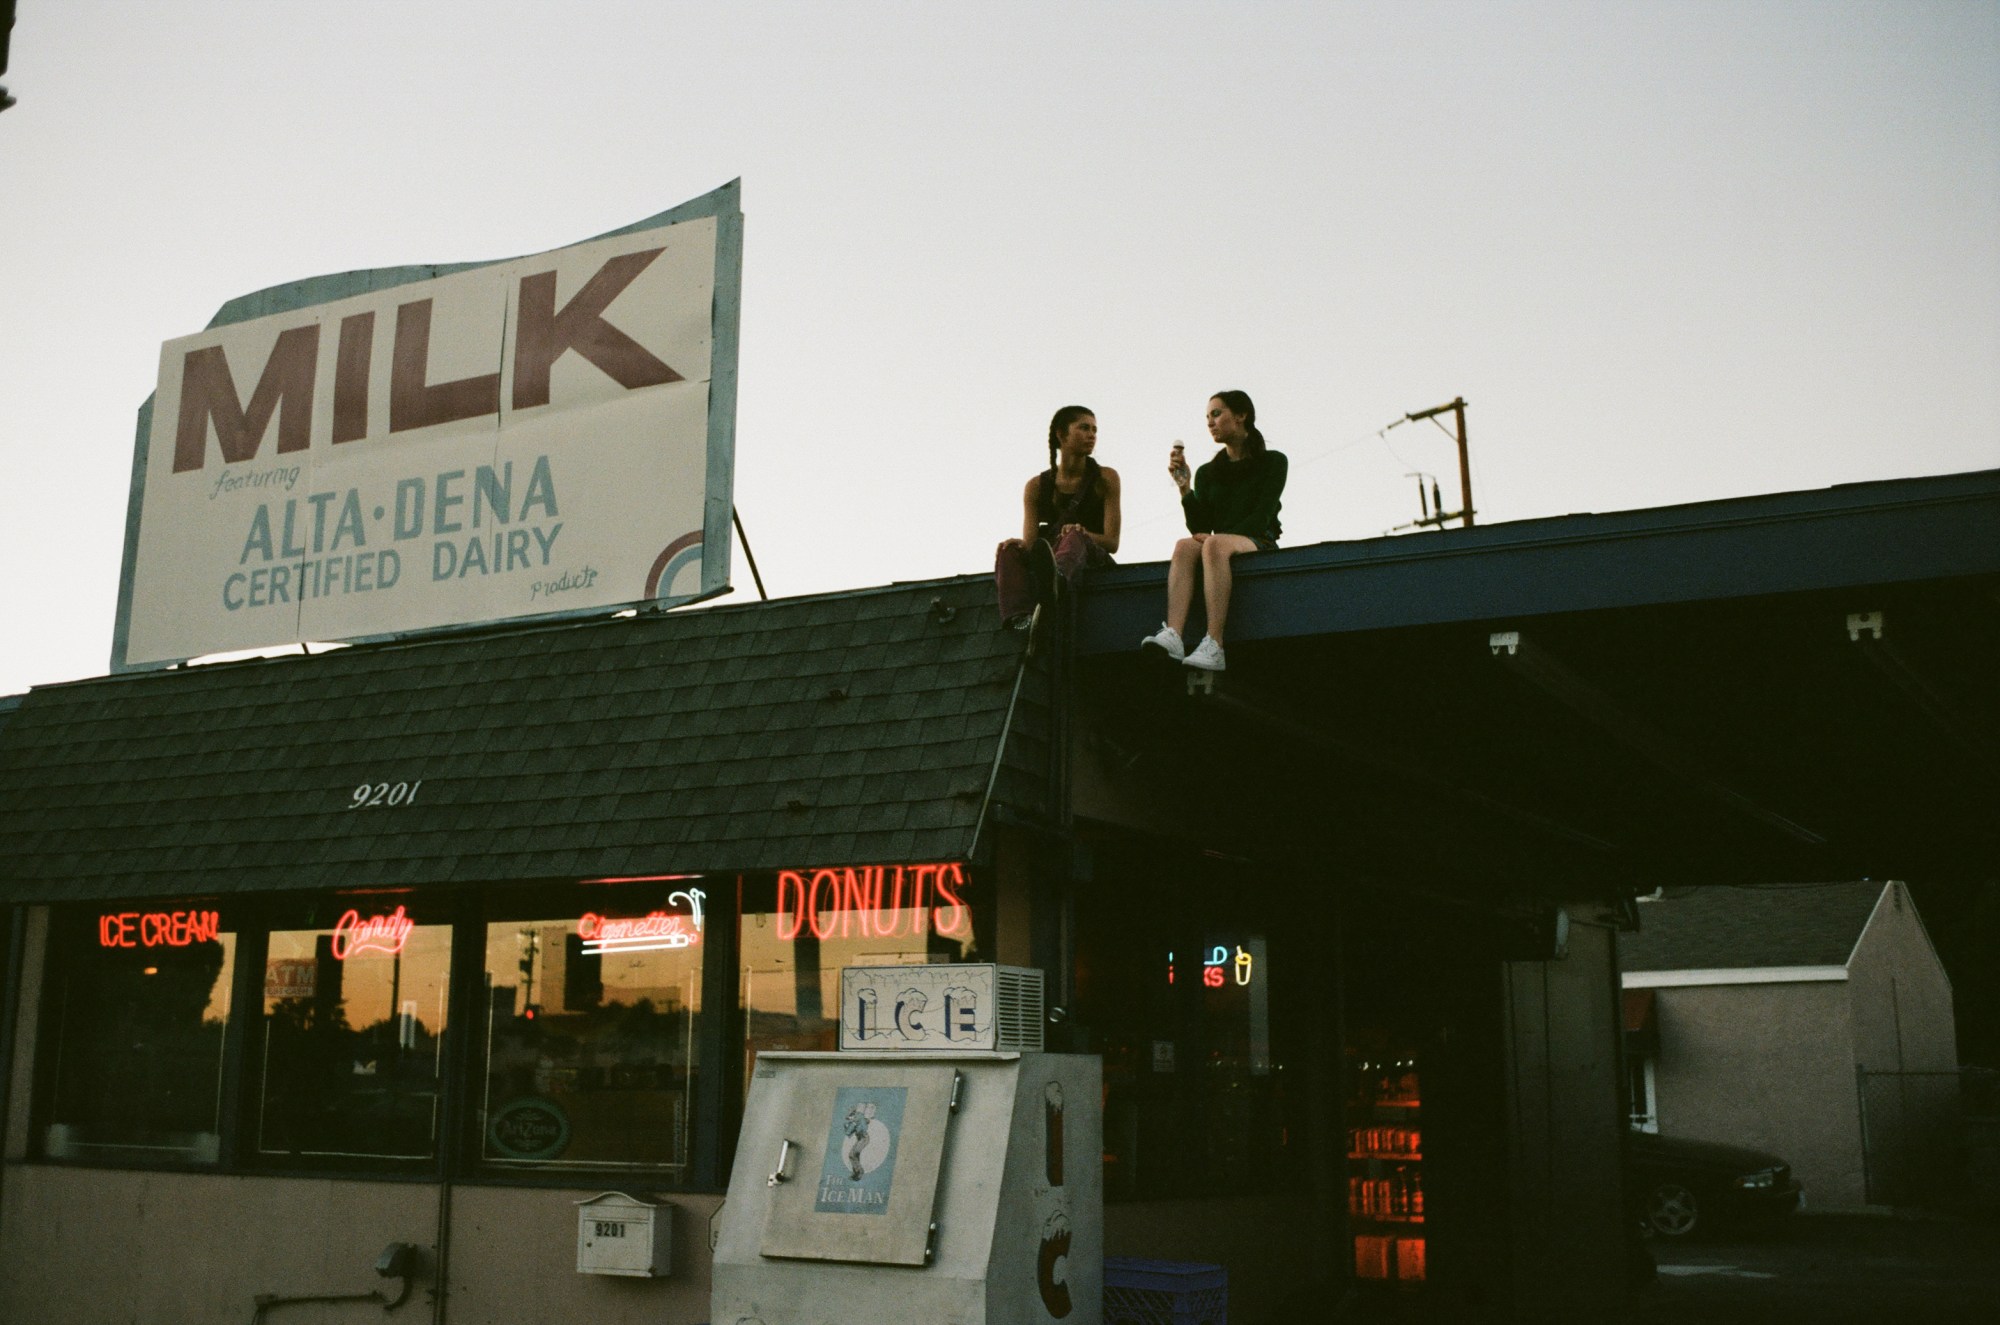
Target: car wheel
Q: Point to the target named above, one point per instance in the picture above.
(1672, 1210)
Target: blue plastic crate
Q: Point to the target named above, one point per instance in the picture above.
(1143, 1292)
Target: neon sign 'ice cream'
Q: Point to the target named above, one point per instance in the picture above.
(157, 929)
(383, 934)
(648, 933)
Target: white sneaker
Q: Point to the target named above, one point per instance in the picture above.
(1207, 656)
(1168, 641)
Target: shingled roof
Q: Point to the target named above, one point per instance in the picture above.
(840, 729)
(1707, 928)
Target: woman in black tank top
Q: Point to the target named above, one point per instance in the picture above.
(1070, 519)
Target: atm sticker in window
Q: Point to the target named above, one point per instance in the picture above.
(861, 1150)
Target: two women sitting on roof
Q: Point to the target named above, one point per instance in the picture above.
(1070, 519)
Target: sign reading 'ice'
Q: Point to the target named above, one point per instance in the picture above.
(917, 1008)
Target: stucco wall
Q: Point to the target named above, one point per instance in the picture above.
(1899, 994)
(98, 1247)
(1903, 1025)
(106, 1247)
(1767, 1066)
(513, 1262)
(103, 1247)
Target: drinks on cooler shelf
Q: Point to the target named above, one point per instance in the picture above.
(1383, 1142)
(1371, 1258)
(1399, 1196)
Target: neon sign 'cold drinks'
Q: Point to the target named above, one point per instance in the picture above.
(873, 901)
(1216, 964)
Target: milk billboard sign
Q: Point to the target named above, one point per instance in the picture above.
(382, 452)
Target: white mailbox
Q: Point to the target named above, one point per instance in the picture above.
(908, 1186)
(620, 1234)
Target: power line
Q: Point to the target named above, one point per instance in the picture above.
(1380, 434)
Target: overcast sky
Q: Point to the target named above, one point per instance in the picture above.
(1668, 252)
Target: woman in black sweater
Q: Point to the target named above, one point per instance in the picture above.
(1231, 504)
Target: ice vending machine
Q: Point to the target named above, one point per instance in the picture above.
(938, 1170)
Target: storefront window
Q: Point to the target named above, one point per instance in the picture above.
(592, 1005)
(1181, 998)
(1235, 972)
(137, 1033)
(800, 927)
(353, 1028)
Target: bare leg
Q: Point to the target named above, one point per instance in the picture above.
(1216, 577)
(1180, 581)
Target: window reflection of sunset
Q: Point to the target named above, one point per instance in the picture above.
(217, 1010)
(371, 980)
(592, 1057)
(765, 955)
(662, 976)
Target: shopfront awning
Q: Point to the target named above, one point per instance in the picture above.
(1636, 1006)
(1638, 1021)
(1793, 687)
(841, 729)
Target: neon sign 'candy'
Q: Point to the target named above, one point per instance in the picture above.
(383, 934)
(873, 901)
(654, 932)
(157, 929)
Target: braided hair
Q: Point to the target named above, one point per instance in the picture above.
(1065, 416)
(1239, 403)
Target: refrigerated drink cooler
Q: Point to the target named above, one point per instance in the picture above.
(924, 1173)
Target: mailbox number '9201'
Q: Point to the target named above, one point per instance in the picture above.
(609, 1228)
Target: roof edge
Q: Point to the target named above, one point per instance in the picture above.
(1734, 975)
(496, 630)
(1540, 531)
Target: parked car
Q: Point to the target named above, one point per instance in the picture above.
(1679, 1188)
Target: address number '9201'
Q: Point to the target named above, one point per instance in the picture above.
(381, 795)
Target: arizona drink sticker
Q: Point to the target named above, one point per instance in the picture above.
(861, 1143)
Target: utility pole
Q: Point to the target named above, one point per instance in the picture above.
(1465, 512)
(6, 30)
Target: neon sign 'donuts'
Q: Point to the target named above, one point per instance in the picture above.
(648, 933)
(383, 934)
(872, 901)
(157, 929)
